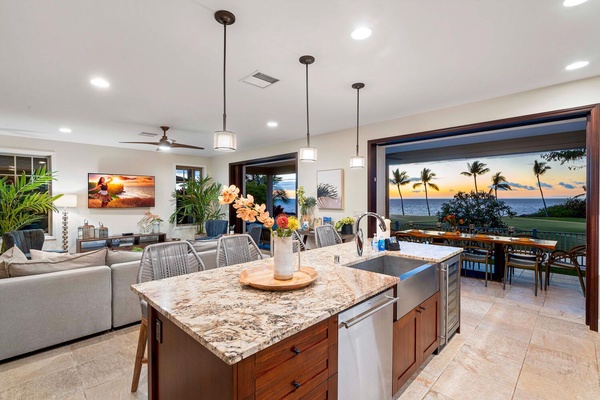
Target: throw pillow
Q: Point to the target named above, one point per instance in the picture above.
(14, 253)
(62, 262)
(205, 245)
(118, 257)
(47, 255)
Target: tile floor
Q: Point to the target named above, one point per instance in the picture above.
(512, 345)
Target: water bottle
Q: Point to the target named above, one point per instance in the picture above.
(375, 244)
(381, 243)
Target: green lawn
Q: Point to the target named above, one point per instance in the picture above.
(571, 225)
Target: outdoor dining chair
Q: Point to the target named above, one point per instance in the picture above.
(573, 260)
(159, 261)
(477, 253)
(524, 257)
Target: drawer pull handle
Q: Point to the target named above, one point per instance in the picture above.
(296, 384)
(419, 311)
(423, 308)
(296, 350)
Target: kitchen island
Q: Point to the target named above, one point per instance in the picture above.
(210, 337)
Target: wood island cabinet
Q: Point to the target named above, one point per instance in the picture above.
(416, 337)
(303, 366)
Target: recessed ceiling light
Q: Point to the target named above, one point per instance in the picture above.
(576, 65)
(272, 124)
(573, 3)
(65, 130)
(100, 82)
(361, 33)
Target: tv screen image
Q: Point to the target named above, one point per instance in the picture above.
(120, 191)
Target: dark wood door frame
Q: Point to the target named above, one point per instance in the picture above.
(237, 178)
(592, 115)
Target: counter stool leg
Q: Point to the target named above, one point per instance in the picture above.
(139, 355)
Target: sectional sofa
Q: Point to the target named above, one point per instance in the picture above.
(47, 300)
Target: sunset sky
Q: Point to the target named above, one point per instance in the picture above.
(559, 181)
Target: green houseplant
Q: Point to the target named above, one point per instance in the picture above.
(197, 199)
(25, 201)
(345, 224)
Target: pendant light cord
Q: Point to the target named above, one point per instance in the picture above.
(357, 115)
(224, 80)
(307, 115)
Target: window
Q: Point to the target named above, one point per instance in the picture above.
(182, 174)
(12, 166)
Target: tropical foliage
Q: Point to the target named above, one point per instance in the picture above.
(572, 208)
(478, 208)
(326, 191)
(426, 177)
(477, 168)
(25, 201)
(499, 182)
(400, 179)
(540, 168)
(198, 201)
(307, 204)
(256, 185)
(566, 156)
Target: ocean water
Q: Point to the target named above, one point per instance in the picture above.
(289, 207)
(419, 207)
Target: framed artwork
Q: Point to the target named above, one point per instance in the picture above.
(330, 189)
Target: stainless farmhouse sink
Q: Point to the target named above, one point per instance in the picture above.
(419, 279)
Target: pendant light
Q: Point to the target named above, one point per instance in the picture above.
(307, 154)
(224, 139)
(357, 161)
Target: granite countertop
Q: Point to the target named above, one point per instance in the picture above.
(235, 321)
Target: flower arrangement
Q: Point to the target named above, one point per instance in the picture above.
(344, 221)
(250, 212)
(451, 220)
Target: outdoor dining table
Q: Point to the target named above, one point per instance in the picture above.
(497, 241)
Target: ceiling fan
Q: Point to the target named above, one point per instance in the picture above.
(166, 144)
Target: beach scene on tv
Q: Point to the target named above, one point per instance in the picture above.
(120, 191)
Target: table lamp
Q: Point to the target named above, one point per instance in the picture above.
(66, 201)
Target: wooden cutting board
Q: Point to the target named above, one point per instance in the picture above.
(262, 278)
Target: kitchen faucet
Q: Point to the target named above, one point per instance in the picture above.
(359, 232)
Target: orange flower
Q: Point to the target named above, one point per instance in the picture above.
(460, 221)
(228, 194)
(247, 214)
(269, 222)
(263, 216)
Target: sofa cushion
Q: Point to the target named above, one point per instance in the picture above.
(12, 254)
(53, 262)
(118, 257)
(205, 245)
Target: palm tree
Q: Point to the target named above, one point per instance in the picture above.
(477, 168)
(540, 168)
(426, 177)
(400, 179)
(498, 183)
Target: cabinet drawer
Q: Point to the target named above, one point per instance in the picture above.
(289, 384)
(294, 349)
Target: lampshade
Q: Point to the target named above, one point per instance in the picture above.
(308, 154)
(357, 162)
(67, 200)
(224, 139)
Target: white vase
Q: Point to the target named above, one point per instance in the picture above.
(283, 258)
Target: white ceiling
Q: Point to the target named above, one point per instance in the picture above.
(164, 60)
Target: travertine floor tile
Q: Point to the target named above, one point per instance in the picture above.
(563, 342)
(63, 384)
(499, 344)
(477, 374)
(31, 368)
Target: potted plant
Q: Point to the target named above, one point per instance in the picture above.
(24, 201)
(307, 205)
(198, 200)
(346, 225)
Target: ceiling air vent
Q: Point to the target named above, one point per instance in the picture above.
(148, 134)
(259, 79)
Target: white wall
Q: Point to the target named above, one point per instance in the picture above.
(74, 161)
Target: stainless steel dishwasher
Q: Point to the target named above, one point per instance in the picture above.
(365, 338)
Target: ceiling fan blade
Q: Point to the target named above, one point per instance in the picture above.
(186, 146)
(152, 143)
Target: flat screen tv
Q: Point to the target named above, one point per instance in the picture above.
(120, 191)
